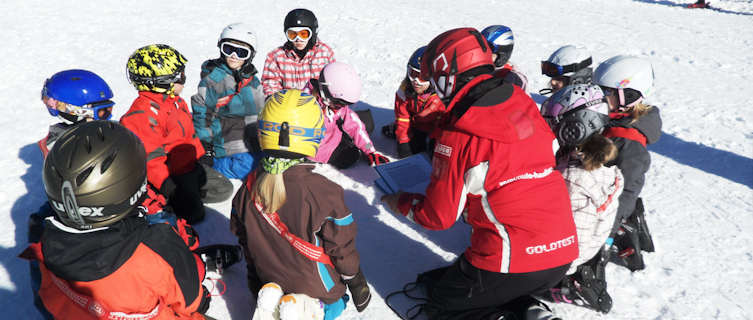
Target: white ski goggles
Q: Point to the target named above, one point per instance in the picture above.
(240, 51)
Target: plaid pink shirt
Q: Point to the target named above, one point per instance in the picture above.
(284, 70)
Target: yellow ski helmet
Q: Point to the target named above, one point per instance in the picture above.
(291, 125)
(156, 68)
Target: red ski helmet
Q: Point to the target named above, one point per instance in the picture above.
(452, 53)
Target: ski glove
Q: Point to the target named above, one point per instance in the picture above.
(389, 131)
(208, 157)
(403, 150)
(376, 159)
(359, 289)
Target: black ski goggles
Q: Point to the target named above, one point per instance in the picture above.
(554, 70)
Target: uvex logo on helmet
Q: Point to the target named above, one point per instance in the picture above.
(452, 53)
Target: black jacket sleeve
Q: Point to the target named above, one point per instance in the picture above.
(633, 160)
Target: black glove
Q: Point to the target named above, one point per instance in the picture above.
(208, 157)
(403, 150)
(359, 289)
(186, 199)
(389, 131)
(168, 188)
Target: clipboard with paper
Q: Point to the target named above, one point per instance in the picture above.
(411, 174)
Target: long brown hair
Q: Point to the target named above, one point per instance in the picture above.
(596, 151)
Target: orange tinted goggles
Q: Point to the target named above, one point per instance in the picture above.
(302, 33)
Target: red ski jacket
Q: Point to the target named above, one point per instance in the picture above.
(420, 112)
(494, 164)
(165, 127)
(129, 270)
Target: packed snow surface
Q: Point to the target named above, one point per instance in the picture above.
(697, 194)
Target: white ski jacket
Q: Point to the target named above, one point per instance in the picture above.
(594, 200)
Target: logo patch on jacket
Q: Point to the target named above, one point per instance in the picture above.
(444, 150)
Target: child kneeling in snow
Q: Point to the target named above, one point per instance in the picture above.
(417, 112)
(577, 115)
(293, 223)
(346, 139)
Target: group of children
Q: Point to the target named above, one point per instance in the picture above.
(123, 195)
(602, 126)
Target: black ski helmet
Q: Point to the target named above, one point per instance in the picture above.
(302, 18)
(95, 175)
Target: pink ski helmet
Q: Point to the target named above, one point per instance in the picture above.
(576, 112)
(339, 82)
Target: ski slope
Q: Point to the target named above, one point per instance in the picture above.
(698, 194)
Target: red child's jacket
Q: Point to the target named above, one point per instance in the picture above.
(415, 111)
(165, 126)
(494, 164)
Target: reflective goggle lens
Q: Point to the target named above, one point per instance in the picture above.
(241, 52)
(414, 75)
(300, 33)
(550, 69)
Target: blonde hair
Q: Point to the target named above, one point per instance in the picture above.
(596, 151)
(639, 110)
(269, 190)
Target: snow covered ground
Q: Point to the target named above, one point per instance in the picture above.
(698, 193)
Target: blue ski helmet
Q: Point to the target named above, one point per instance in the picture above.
(415, 59)
(81, 93)
(501, 40)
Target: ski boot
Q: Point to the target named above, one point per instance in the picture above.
(217, 257)
(267, 302)
(583, 289)
(638, 219)
(540, 311)
(626, 250)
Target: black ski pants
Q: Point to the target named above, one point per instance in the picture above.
(463, 291)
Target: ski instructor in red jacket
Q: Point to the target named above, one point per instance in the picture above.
(494, 164)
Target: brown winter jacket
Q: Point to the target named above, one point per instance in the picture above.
(314, 211)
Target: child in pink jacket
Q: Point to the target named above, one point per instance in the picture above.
(345, 138)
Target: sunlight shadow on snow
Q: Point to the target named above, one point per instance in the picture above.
(725, 164)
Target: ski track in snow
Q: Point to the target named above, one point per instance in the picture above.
(698, 194)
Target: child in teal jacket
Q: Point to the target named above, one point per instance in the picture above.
(227, 103)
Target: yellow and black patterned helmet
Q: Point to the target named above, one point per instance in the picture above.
(291, 125)
(156, 68)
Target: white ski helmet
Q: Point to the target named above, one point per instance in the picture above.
(240, 32)
(570, 59)
(625, 74)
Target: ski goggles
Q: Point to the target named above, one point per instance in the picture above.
(240, 51)
(608, 91)
(303, 33)
(101, 110)
(552, 70)
(414, 76)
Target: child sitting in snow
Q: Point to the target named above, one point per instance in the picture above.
(417, 110)
(346, 139)
(229, 99)
(293, 223)
(626, 81)
(577, 115)
(163, 122)
(566, 66)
